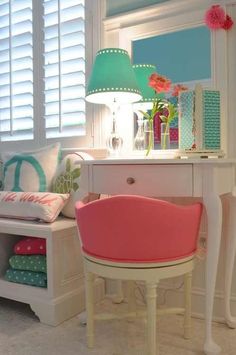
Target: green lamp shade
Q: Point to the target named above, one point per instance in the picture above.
(143, 72)
(112, 78)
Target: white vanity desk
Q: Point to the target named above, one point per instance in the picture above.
(206, 178)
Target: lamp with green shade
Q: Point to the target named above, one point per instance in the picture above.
(143, 72)
(113, 82)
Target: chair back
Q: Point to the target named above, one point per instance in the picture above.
(126, 228)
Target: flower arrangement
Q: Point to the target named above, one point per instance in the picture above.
(178, 88)
(216, 18)
(165, 110)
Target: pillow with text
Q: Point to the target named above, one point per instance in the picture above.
(44, 206)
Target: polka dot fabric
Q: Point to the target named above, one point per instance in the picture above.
(30, 246)
(28, 266)
(29, 262)
(38, 279)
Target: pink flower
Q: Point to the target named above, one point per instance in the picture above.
(215, 17)
(159, 83)
(228, 23)
(178, 88)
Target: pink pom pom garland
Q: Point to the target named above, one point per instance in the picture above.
(228, 23)
(216, 18)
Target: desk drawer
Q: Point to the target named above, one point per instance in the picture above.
(150, 180)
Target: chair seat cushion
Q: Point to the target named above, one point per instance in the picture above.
(140, 260)
(133, 228)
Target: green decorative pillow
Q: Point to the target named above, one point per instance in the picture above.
(67, 180)
(27, 277)
(29, 262)
(30, 171)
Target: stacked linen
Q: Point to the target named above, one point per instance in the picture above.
(28, 265)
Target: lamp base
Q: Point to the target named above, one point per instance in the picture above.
(114, 144)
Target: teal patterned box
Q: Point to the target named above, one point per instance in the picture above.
(199, 113)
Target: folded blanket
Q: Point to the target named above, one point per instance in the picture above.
(27, 277)
(30, 246)
(29, 262)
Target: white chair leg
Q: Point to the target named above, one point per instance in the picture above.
(151, 296)
(89, 278)
(188, 304)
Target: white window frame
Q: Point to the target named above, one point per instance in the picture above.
(94, 13)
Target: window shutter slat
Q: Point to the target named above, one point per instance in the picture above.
(18, 112)
(18, 135)
(64, 66)
(70, 92)
(16, 70)
(19, 88)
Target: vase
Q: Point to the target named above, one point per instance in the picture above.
(114, 141)
(139, 138)
(165, 135)
(148, 136)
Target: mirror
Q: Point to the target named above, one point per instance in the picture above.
(176, 28)
(182, 56)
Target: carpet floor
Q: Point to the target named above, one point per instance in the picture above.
(21, 333)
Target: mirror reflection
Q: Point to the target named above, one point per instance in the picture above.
(184, 57)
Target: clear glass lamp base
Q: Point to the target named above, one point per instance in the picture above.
(114, 144)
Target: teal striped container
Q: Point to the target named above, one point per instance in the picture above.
(200, 110)
(211, 119)
(186, 112)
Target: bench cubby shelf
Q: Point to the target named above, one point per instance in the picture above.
(64, 296)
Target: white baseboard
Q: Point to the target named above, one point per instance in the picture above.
(175, 298)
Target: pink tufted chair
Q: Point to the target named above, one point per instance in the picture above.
(138, 238)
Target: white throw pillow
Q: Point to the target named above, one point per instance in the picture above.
(67, 180)
(43, 206)
(30, 171)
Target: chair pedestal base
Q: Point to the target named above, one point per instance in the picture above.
(151, 276)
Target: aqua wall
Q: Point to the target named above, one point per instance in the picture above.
(182, 56)
(115, 7)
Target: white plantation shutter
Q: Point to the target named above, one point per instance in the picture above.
(64, 65)
(42, 72)
(16, 70)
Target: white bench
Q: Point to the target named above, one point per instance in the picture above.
(64, 296)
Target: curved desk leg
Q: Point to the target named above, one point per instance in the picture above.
(229, 262)
(213, 207)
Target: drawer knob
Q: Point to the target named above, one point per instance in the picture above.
(130, 180)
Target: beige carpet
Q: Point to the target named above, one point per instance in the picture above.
(22, 334)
